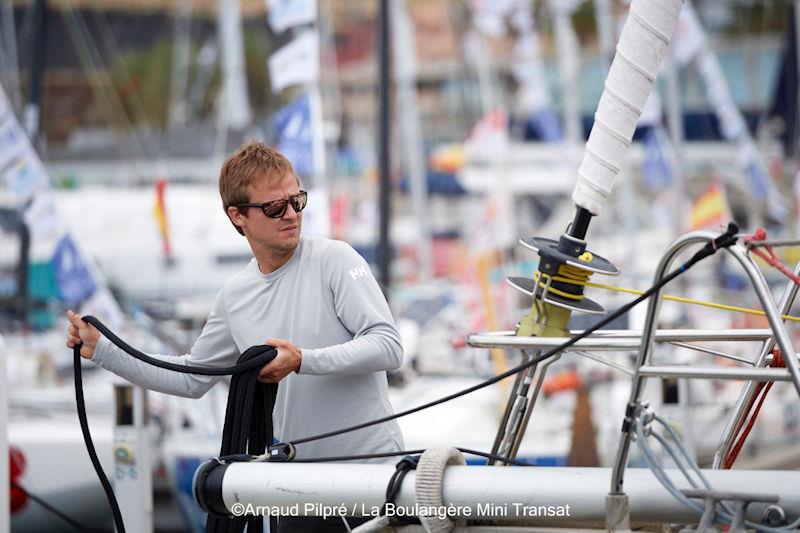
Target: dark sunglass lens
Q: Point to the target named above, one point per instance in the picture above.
(275, 209)
(299, 202)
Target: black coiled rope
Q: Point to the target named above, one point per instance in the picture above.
(248, 416)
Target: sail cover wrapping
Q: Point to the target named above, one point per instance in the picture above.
(642, 45)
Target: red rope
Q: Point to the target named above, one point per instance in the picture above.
(777, 361)
(769, 256)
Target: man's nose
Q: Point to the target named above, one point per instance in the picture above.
(290, 213)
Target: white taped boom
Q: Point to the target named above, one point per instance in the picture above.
(642, 45)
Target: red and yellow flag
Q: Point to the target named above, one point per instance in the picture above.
(709, 209)
(160, 212)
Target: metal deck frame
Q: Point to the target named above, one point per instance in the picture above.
(520, 405)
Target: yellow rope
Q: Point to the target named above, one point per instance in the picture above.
(579, 276)
(567, 274)
(690, 301)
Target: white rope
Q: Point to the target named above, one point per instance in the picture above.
(429, 480)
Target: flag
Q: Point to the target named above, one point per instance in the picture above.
(448, 158)
(656, 168)
(285, 14)
(294, 135)
(297, 63)
(13, 142)
(489, 136)
(75, 281)
(709, 209)
(546, 124)
(757, 180)
(689, 38)
(160, 212)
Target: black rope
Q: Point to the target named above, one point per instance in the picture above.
(87, 439)
(404, 452)
(247, 429)
(248, 416)
(60, 514)
(402, 468)
(723, 241)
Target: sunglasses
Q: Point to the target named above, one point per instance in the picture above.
(277, 208)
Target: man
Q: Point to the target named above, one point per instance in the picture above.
(314, 299)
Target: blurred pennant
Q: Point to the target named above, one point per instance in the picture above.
(489, 136)
(294, 136)
(546, 124)
(75, 281)
(297, 63)
(449, 158)
(756, 179)
(655, 167)
(689, 38)
(285, 14)
(160, 212)
(709, 209)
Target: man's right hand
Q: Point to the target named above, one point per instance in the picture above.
(80, 332)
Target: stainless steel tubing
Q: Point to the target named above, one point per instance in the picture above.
(765, 297)
(749, 390)
(693, 372)
(611, 340)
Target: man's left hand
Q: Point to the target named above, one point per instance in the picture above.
(287, 361)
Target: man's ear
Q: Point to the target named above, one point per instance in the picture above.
(236, 216)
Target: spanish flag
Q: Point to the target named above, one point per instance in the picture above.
(709, 209)
(160, 212)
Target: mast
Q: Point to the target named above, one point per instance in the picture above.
(235, 98)
(404, 52)
(181, 51)
(675, 121)
(568, 58)
(10, 61)
(384, 132)
(38, 43)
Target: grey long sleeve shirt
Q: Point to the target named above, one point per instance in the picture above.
(326, 301)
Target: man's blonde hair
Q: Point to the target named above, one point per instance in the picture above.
(251, 162)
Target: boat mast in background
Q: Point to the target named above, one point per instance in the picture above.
(234, 94)
(181, 57)
(9, 58)
(38, 42)
(568, 50)
(384, 161)
(405, 75)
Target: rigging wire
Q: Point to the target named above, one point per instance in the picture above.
(90, 57)
(658, 471)
(111, 42)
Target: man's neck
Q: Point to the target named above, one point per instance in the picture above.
(269, 260)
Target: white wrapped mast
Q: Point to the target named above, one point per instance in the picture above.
(642, 45)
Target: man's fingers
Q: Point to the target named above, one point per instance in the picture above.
(75, 320)
(276, 342)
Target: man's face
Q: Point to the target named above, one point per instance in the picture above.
(277, 234)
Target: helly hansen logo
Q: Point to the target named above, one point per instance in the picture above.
(358, 272)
